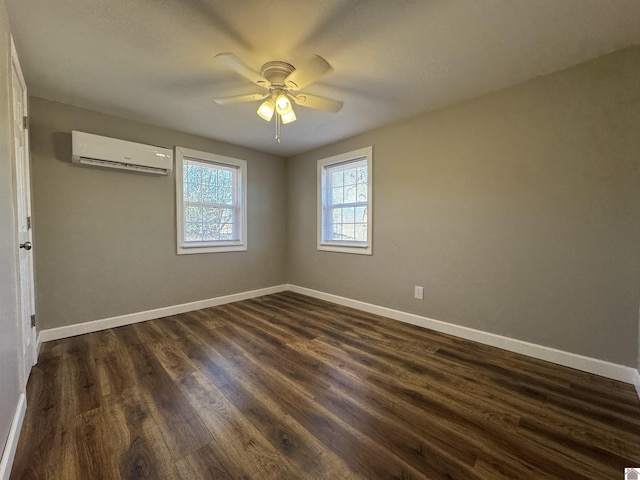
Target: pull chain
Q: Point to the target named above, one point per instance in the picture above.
(277, 127)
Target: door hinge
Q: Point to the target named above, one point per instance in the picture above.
(28, 222)
(25, 122)
(33, 321)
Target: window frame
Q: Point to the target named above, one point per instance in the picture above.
(360, 248)
(183, 154)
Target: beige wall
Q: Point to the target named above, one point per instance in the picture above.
(519, 213)
(9, 323)
(105, 240)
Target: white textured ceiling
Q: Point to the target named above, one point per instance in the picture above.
(152, 60)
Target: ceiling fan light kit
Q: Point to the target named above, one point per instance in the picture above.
(283, 105)
(288, 117)
(280, 79)
(266, 109)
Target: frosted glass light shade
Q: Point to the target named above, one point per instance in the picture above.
(266, 110)
(288, 117)
(282, 104)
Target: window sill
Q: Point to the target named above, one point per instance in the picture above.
(211, 249)
(342, 248)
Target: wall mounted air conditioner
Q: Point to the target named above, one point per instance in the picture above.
(89, 149)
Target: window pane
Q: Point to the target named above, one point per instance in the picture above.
(208, 184)
(337, 179)
(211, 214)
(193, 232)
(350, 177)
(348, 215)
(217, 224)
(224, 178)
(362, 174)
(350, 194)
(347, 224)
(209, 176)
(226, 232)
(209, 194)
(361, 232)
(192, 192)
(226, 215)
(224, 196)
(208, 233)
(193, 173)
(193, 214)
(348, 231)
(361, 194)
(337, 195)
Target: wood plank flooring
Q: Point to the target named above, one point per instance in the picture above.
(289, 387)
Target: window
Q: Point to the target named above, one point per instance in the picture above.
(344, 202)
(211, 199)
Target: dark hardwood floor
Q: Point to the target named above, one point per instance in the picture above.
(289, 387)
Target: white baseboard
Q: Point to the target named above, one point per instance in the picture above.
(112, 322)
(573, 360)
(9, 452)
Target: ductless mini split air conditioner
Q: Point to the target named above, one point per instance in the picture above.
(95, 150)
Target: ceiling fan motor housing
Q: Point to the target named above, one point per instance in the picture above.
(276, 72)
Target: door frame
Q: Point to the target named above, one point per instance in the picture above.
(22, 206)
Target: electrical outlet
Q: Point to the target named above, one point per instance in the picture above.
(418, 292)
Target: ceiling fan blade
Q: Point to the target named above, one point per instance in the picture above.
(234, 63)
(248, 97)
(308, 74)
(319, 103)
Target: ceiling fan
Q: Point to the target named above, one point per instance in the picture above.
(282, 82)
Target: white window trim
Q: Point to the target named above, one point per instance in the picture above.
(342, 247)
(231, 246)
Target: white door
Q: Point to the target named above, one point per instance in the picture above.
(23, 216)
